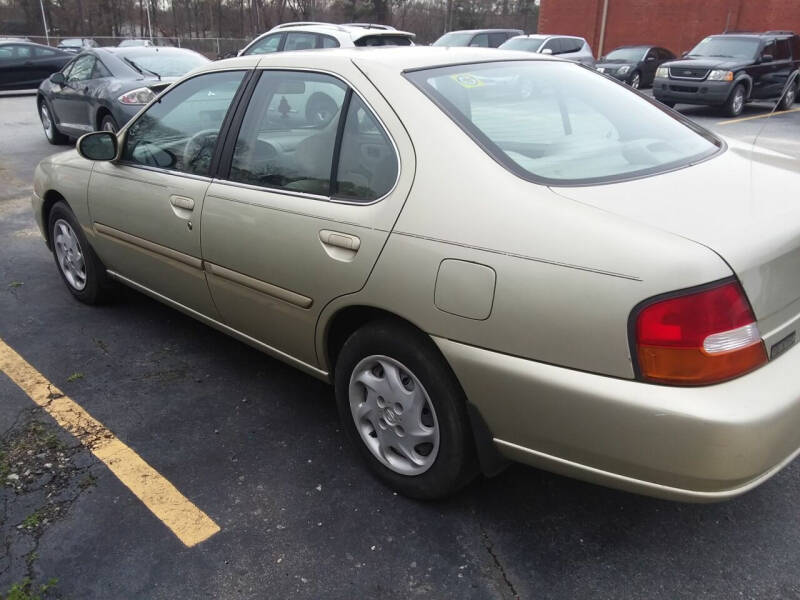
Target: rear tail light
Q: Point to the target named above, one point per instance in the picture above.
(699, 337)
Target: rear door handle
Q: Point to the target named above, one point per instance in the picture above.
(339, 246)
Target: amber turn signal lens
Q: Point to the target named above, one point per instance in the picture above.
(693, 366)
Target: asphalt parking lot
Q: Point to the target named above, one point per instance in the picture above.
(254, 445)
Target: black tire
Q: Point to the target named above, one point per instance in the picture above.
(733, 107)
(109, 124)
(97, 288)
(455, 463)
(635, 78)
(51, 132)
(788, 99)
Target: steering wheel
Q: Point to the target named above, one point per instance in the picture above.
(197, 152)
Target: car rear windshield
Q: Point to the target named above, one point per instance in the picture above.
(562, 124)
(166, 64)
(454, 38)
(726, 47)
(383, 40)
(523, 43)
(627, 54)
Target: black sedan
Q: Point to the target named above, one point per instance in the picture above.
(635, 65)
(102, 88)
(24, 65)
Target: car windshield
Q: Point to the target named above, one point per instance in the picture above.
(560, 123)
(525, 44)
(627, 54)
(454, 38)
(166, 64)
(726, 47)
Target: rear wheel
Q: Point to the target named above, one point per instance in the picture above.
(51, 132)
(735, 104)
(788, 99)
(404, 410)
(79, 267)
(109, 124)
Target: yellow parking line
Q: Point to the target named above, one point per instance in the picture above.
(190, 524)
(764, 116)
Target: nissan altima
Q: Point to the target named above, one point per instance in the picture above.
(574, 277)
(102, 88)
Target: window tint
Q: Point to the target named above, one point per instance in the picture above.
(289, 132)
(100, 70)
(24, 51)
(652, 54)
(769, 49)
(481, 40)
(552, 45)
(300, 41)
(665, 54)
(326, 41)
(44, 52)
(6, 53)
(572, 125)
(271, 43)
(179, 131)
(82, 69)
(570, 44)
(782, 50)
(495, 39)
(367, 166)
(383, 40)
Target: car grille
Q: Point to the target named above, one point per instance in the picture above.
(683, 88)
(688, 73)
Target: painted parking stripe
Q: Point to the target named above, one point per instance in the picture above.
(190, 524)
(764, 116)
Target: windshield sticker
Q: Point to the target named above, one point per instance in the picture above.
(467, 80)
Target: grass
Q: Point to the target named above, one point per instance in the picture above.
(32, 521)
(15, 284)
(74, 377)
(25, 590)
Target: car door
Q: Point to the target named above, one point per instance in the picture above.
(46, 61)
(7, 64)
(649, 65)
(783, 64)
(288, 227)
(69, 99)
(763, 72)
(146, 205)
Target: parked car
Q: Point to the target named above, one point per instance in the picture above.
(76, 45)
(635, 65)
(564, 46)
(730, 70)
(311, 35)
(103, 88)
(482, 38)
(24, 65)
(607, 316)
(131, 43)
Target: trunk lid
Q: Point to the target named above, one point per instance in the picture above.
(742, 204)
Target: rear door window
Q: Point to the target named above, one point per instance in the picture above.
(266, 45)
(495, 39)
(481, 40)
(326, 41)
(296, 40)
(782, 50)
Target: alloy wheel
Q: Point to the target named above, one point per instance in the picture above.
(394, 415)
(69, 254)
(47, 122)
(738, 100)
(636, 81)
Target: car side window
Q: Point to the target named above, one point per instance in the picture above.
(552, 45)
(44, 52)
(652, 54)
(481, 40)
(100, 70)
(82, 69)
(288, 134)
(367, 166)
(326, 41)
(495, 39)
(300, 41)
(179, 131)
(782, 50)
(571, 44)
(769, 50)
(24, 51)
(269, 44)
(6, 53)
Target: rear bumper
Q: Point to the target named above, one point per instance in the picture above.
(712, 93)
(692, 444)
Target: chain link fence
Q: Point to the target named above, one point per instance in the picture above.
(211, 47)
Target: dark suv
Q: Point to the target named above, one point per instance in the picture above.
(731, 69)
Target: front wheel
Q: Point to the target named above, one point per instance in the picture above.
(79, 267)
(735, 103)
(51, 132)
(109, 124)
(636, 80)
(402, 407)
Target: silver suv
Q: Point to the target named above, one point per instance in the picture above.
(307, 35)
(564, 46)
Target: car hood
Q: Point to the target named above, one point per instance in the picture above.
(729, 64)
(739, 204)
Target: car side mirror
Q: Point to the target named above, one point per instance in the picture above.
(58, 78)
(100, 145)
(684, 54)
(547, 51)
(650, 58)
(767, 58)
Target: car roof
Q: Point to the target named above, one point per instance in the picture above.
(483, 30)
(396, 58)
(141, 50)
(635, 46)
(354, 31)
(8, 41)
(757, 35)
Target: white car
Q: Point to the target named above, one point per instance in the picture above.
(569, 47)
(310, 35)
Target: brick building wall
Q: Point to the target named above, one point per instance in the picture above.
(674, 24)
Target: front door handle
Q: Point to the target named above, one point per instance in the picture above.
(182, 202)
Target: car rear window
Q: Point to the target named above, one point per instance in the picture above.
(383, 40)
(561, 124)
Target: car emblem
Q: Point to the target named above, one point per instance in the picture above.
(687, 72)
